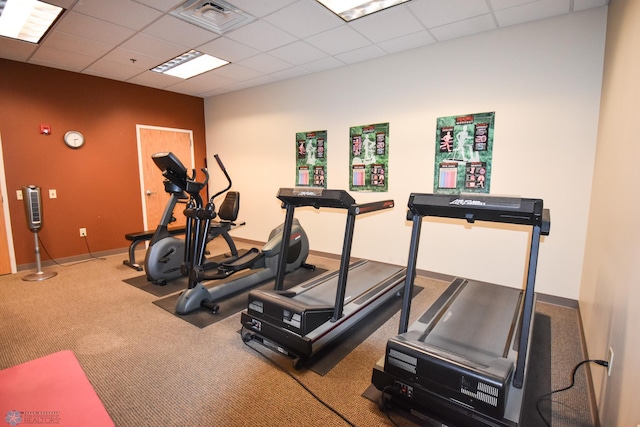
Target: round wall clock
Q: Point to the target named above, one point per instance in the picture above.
(74, 139)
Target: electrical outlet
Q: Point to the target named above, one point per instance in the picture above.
(19, 194)
(83, 232)
(610, 360)
(53, 194)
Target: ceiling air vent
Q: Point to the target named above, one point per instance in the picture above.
(217, 16)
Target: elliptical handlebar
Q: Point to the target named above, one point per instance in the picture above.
(226, 174)
(194, 187)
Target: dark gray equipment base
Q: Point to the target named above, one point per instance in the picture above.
(463, 349)
(538, 384)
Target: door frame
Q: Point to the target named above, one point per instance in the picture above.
(7, 214)
(140, 166)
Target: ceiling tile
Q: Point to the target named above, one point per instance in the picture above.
(153, 79)
(153, 46)
(93, 28)
(464, 28)
(133, 59)
(410, 41)
(323, 64)
(262, 80)
(298, 53)
(178, 31)
(389, 24)
(57, 58)
(16, 50)
(434, 13)
(229, 50)
(363, 54)
(202, 83)
(236, 72)
(122, 12)
(289, 73)
(261, 8)
(261, 35)
(72, 43)
(587, 4)
(295, 20)
(112, 70)
(504, 4)
(338, 40)
(66, 4)
(265, 63)
(163, 5)
(532, 11)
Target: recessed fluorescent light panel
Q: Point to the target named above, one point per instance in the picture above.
(190, 64)
(354, 9)
(27, 20)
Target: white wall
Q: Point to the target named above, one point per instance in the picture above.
(542, 79)
(609, 293)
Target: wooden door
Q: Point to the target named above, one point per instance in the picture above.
(5, 260)
(153, 140)
(7, 256)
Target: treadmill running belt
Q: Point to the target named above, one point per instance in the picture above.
(360, 279)
(477, 325)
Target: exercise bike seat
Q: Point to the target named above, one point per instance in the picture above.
(230, 206)
(227, 214)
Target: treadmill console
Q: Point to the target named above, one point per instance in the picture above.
(316, 197)
(321, 198)
(472, 207)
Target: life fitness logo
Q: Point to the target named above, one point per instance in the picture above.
(295, 236)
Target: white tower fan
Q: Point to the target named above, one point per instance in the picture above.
(33, 209)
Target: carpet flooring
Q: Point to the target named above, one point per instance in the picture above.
(153, 369)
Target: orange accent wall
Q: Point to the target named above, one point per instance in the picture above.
(98, 185)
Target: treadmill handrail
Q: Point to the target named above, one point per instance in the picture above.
(359, 209)
(319, 197)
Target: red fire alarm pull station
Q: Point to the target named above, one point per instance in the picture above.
(45, 129)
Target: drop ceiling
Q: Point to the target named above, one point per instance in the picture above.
(123, 39)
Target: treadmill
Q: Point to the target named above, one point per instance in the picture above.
(464, 361)
(300, 321)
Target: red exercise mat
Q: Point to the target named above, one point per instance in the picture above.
(52, 390)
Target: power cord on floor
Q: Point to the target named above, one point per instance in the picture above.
(573, 380)
(383, 404)
(307, 389)
(93, 257)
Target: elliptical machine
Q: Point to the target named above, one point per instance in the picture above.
(165, 256)
(264, 262)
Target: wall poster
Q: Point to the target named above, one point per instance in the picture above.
(369, 158)
(464, 149)
(311, 159)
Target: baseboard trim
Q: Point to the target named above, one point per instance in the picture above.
(72, 259)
